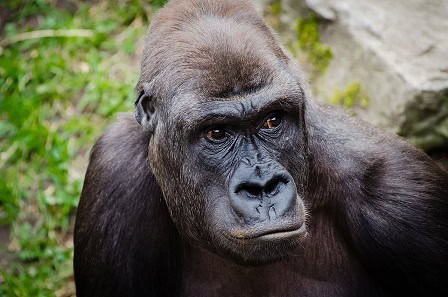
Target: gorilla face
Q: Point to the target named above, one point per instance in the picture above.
(254, 207)
(228, 170)
(228, 145)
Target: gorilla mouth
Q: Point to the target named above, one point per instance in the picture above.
(264, 234)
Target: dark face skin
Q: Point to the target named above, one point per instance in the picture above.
(237, 160)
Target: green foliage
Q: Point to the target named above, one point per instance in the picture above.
(56, 96)
(319, 55)
(158, 3)
(275, 8)
(352, 96)
(429, 129)
(25, 8)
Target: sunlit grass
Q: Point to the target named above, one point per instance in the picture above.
(58, 90)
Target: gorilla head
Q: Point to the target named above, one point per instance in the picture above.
(224, 105)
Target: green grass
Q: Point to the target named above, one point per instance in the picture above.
(58, 90)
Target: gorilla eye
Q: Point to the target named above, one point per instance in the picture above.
(272, 122)
(216, 134)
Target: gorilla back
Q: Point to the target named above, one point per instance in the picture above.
(232, 181)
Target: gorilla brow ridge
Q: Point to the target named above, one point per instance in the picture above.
(209, 113)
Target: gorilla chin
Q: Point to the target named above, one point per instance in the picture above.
(264, 242)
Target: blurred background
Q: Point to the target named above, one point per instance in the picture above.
(67, 67)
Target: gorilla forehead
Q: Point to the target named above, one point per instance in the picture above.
(224, 60)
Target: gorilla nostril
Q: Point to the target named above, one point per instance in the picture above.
(273, 186)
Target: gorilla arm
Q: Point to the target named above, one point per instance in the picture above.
(122, 209)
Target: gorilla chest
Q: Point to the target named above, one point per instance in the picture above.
(210, 276)
(276, 287)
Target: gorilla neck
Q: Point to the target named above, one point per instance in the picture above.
(321, 268)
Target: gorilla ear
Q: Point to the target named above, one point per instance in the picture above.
(145, 109)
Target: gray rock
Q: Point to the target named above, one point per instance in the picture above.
(398, 51)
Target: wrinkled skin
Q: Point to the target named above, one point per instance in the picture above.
(233, 181)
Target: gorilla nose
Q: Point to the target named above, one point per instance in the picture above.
(256, 197)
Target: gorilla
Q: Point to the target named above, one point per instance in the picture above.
(231, 180)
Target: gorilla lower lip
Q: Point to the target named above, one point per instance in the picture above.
(282, 234)
(269, 234)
